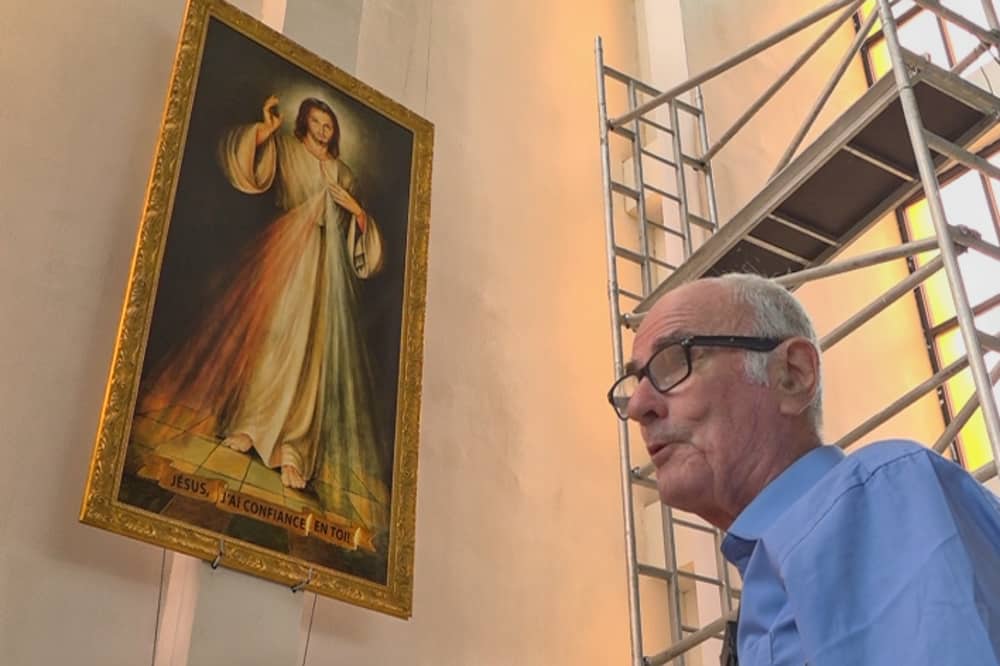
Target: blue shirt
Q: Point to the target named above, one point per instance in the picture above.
(889, 556)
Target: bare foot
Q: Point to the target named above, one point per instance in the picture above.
(291, 477)
(239, 442)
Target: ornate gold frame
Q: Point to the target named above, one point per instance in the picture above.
(100, 505)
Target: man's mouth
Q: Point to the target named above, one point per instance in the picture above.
(657, 451)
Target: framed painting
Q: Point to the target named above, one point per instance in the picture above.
(263, 404)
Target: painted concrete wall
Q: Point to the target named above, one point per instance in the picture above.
(519, 556)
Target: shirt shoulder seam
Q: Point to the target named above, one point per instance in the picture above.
(860, 484)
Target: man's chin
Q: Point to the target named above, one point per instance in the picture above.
(676, 495)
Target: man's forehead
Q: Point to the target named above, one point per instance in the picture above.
(688, 310)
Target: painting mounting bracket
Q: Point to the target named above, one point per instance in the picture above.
(218, 557)
(301, 584)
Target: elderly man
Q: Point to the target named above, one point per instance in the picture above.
(888, 556)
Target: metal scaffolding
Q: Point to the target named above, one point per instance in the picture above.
(895, 142)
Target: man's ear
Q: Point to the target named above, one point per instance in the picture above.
(793, 373)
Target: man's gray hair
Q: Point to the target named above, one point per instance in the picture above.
(775, 313)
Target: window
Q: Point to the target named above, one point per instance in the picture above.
(969, 198)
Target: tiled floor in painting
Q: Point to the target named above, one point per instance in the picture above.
(180, 437)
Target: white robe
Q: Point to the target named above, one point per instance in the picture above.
(281, 358)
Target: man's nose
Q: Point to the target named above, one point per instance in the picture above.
(647, 404)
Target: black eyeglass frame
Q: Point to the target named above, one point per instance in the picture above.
(750, 343)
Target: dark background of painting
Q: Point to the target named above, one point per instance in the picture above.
(212, 223)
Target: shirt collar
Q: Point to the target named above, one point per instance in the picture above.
(783, 491)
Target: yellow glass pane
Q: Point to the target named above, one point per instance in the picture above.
(936, 292)
(972, 439)
(920, 35)
(965, 204)
(878, 55)
(867, 7)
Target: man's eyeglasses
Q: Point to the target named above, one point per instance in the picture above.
(671, 365)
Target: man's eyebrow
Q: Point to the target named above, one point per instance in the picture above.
(664, 340)
(669, 339)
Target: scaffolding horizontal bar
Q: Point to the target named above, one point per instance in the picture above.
(688, 629)
(625, 132)
(644, 471)
(971, 57)
(780, 251)
(699, 221)
(710, 630)
(651, 571)
(907, 399)
(959, 420)
(647, 89)
(696, 163)
(687, 108)
(961, 155)
(949, 324)
(662, 264)
(986, 472)
(624, 189)
(639, 258)
(803, 229)
(988, 341)
(880, 162)
(708, 580)
(905, 286)
(630, 255)
(731, 62)
(631, 320)
(694, 526)
(644, 482)
(790, 280)
(653, 123)
(659, 158)
(667, 230)
(845, 60)
(662, 193)
(954, 17)
(622, 77)
(901, 20)
(628, 294)
(780, 82)
(989, 249)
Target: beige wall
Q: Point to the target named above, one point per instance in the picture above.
(519, 556)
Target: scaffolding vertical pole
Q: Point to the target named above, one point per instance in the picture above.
(991, 15)
(673, 576)
(640, 187)
(616, 335)
(713, 206)
(932, 192)
(682, 204)
(726, 588)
